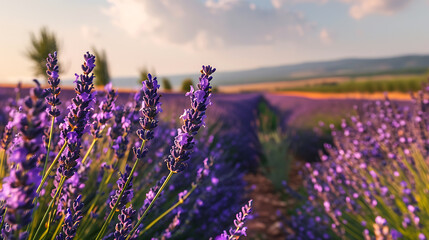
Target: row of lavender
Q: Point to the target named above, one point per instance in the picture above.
(81, 172)
(372, 182)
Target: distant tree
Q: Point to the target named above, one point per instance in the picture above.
(40, 47)
(166, 84)
(186, 84)
(142, 75)
(101, 70)
(215, 89)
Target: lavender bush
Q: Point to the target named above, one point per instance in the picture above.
(91, 170)
(373, 183)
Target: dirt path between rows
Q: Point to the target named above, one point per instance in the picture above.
(266, 224)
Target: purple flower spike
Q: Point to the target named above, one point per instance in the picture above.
(7, 136)
(124, 226)
(150, 109)
(193, 119)
(120, 130)
(72, 220)
(106, 107)
(239, 230)
(53, 81)
(128, 193)
(173, 225)
(19, 188)
(77, 119)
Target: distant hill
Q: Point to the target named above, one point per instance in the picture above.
(411, 64)
(344, 67)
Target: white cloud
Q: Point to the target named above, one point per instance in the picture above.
(221, 4)
(207, 23)
(325, 37)
(358, 8)
(89, 32)
(361, 8)
(280, 3)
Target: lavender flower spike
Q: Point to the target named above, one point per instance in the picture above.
(77, 119)
(239, 230)
(53, 81)
(19, 188)
(151, 107)
(125, 223)
(106, 107)
(128, 191)
(72, 220)
(193, 119)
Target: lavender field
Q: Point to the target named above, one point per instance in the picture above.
(98, 164)
(214, 119)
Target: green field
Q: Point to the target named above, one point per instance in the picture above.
(369, 85)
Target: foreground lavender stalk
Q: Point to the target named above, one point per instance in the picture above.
(125, 223)
(127, 192)
(73, 128)
(151, 107)
(201, 173)
(19, 188)
(52, 98)
(77, 119)
(240, 230)
(193, 119)
(4, 143)
(72, 220)
(102, 117)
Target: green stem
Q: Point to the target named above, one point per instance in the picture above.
(60, 224)
(150, 205)
(51, 167)
(89, 150)
(47, 229)
(60, 186)
(2, 220)
(2, 156)
(112, 212)
(48, 150)
(180, 202)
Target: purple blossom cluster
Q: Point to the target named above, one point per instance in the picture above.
(19, 187)
(371, 184)
(77, 119)
(239, 229)
(106, 111)
(193, 119)
(78, 205)
(54, 82)
(72, 219)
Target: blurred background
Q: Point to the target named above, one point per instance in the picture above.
(299, 45)
(290, 70)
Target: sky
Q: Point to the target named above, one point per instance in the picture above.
(178, 36)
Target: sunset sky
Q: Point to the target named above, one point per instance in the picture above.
(178, 36)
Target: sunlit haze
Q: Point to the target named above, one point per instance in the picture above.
(178, 36)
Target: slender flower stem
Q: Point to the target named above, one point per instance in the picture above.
(57, 230)
(51, 167)
(2, 156)
(60, 186)
(47, 229)
(150, 205)
(2, 220)
(89, 150)
(180, 202)
(48, 150)
(112, 212)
